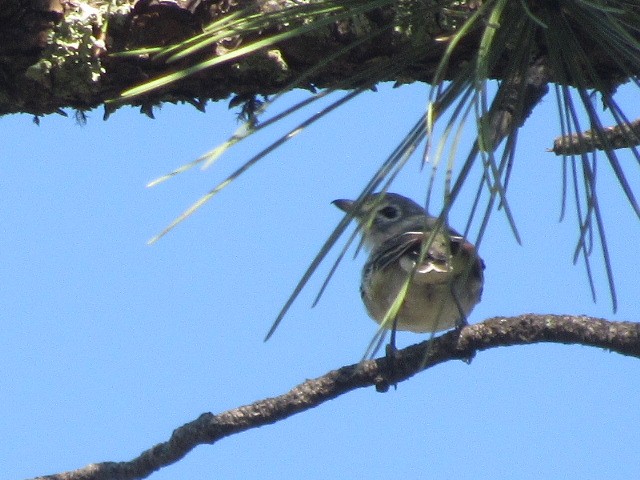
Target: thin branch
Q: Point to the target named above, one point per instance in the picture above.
(620, 337)
(619, 136)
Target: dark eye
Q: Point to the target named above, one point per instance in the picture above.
(390, 212)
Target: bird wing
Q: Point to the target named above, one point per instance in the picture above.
(406, 249)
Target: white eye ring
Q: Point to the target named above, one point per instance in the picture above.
(390, 212)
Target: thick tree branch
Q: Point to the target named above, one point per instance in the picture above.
(620, 337)
(56, 54)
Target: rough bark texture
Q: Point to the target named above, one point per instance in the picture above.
(620, 337)
(56, 54)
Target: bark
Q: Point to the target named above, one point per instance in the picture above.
(620, 337)
(620, 136)
(56, 54)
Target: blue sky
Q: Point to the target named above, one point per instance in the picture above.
(109, 344)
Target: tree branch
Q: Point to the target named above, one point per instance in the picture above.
(624, 135)
(620, 337)
(516, 99)
(57, 54)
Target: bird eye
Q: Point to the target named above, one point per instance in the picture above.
(390, 212)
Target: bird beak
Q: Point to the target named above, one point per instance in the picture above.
(344, 205)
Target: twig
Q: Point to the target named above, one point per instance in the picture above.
(619, 136)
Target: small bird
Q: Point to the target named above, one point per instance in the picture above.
(447, 278)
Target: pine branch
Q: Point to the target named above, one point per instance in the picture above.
(618, 136)
(516, 99)
(620, 337)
